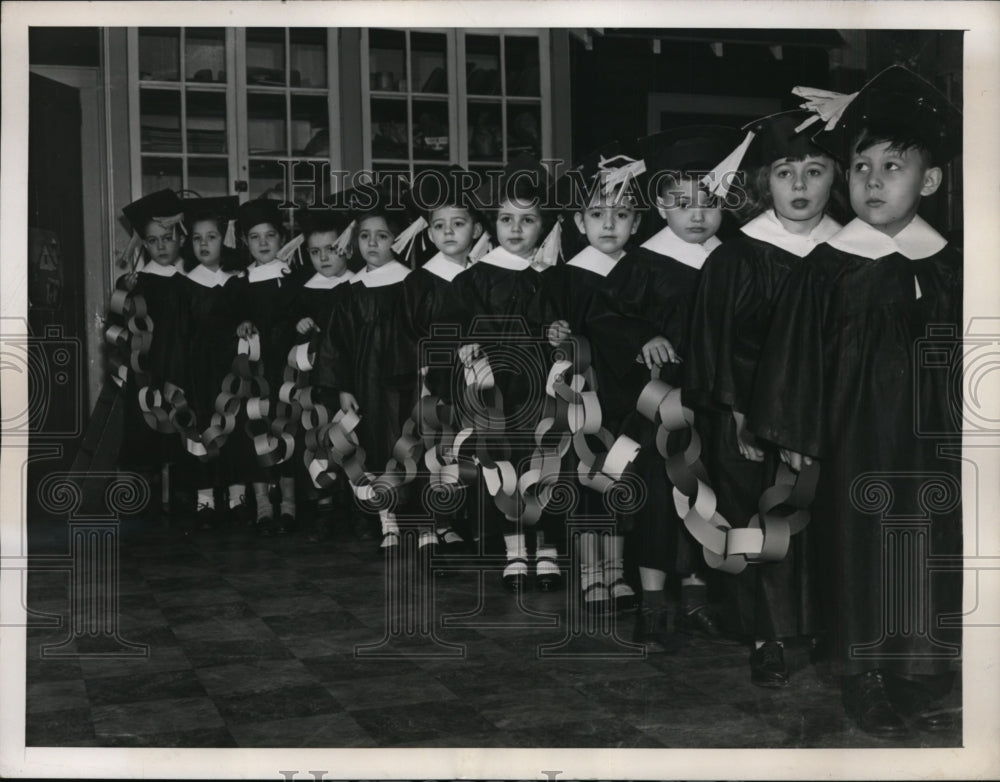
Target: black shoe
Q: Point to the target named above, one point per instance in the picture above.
(867, 702)
(515, 575)
(206, 518)
(240, 516)
(286, 523)
(767, 665)
(701, 621)
(652, 630)
(920, 703)
(550, 581)
(622, 595)
(595, 598)
(450, 543)
(361, 528)
(266, 527)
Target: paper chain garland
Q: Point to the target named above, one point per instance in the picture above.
(455, 451)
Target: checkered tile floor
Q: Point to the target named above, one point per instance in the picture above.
(243, 642)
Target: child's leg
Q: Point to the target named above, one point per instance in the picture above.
(515, 573)
(286, 485)
(548, 576)
(592, 588)
(613, 562)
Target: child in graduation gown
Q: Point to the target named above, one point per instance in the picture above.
(430, 301)
(790, 184)
(211, 268)
(156, 222)
(601, 294)
(502, 293)
(841, 381)
(675, 161)
(263, 298)
(324, 282)
(357, 354)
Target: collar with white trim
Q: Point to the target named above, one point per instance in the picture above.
(593, 260)
(766, 227)
(918, 240)
(441, 267)
(666, 242)
(274, 270)
(160, 271)
(388, 274)
(505, 259)
(318, 281)
(208, 278)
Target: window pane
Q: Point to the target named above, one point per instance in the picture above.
(160, 121)
(485, 131)
(308, 54)
(266, 56)
(310, 126)
(159, 53)
(208, 177)
(521, 62)
(389, 131)
(430, 130)
(267, 178)
(482, 64)
(158, 173)
(387, 60)
(430, 70)
(266, 124)
(205, 54)
(524, 130)
(206, 122)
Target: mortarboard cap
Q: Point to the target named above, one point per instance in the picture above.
(896, 105)
(260, 210)
(162, 206)
(609, 171)
(524, 178)
(688, 149)
(776, 137)
(221, 207)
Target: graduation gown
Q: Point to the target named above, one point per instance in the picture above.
(264, 297)
(210, 349)
(731, 314)
(356, 356)
(673, 267)
(143, 448)
(841, 379)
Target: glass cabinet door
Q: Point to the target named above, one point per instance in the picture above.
(182, 130)
(287, 110)
(409, 117)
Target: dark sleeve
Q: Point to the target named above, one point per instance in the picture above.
(334, 365)
(412, 322)
(790, 393)
(712, 364)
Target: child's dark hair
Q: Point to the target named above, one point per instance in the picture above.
(229, 259)
(547, 216)
(246, 259)
(758, 192)
(898, 138)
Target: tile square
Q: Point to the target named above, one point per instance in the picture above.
(420, 722)
(272, 705)
(64, 695)
(256, 676)
(322, 730)
(146, 686)
(65, 728)
(158, 716)
(203, 654)
(395, 690)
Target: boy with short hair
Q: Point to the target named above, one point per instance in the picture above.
(840, 382)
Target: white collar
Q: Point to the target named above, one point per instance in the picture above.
(505, 259)
(593, 260)
(207, 278)
(328, 283)
(766, 227)
(667, 243)
(443, 268)
(161, 271)
(917, 240)
(387, 274)
(274, 270)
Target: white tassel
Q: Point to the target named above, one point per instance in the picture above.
(550, 251)
(132, 254)
(826, 105)
(343, 243)
(719, 178)
(407, 235)
(289, 249)
(614, 176)
(230, 238)
(480, 248)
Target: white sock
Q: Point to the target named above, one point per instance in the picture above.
(206, 498)
(287, 485)
(516, 547)
(237, 494)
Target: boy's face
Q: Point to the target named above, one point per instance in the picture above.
(264, 241)
(325, 259)
(453, 231)
(690, 211)
(162, 243)
(607, 226)
(206, 242)
(375, 241)
(519, 228)
(886, 185)
(800, 189)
